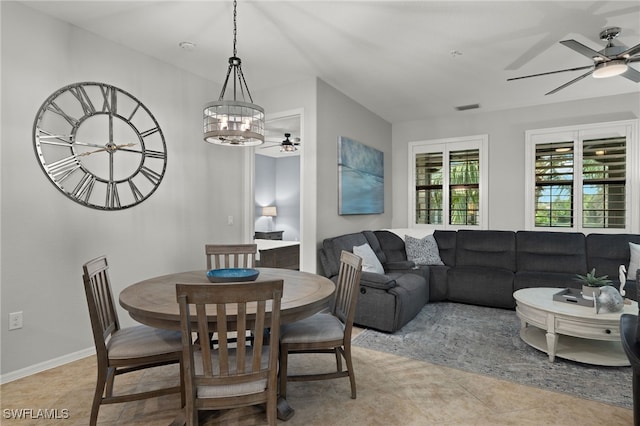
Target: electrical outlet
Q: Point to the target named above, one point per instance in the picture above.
(15, 320)
(230, 220)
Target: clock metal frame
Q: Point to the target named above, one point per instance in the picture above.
(100, 146)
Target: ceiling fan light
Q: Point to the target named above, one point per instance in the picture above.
(288, 147)
(610, 69)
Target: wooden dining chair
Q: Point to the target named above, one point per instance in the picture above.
(222, 256)
(123, 350)
(234, 374)
(231, 255)
(326, 332)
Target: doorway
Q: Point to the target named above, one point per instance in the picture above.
(277, 173)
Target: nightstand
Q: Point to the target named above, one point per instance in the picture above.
(269, 235)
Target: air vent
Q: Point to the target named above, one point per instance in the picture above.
(466, 107)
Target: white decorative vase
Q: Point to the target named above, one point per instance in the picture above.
(609, 300)
(589, 292)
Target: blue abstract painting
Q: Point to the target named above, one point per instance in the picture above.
(361, 178)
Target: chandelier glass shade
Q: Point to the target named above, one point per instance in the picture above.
(234, 122)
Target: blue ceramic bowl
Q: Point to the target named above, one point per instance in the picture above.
(232, 275)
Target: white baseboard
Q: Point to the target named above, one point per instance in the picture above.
(52, 363)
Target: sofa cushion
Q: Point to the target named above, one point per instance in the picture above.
(392, 246)
(481, 286)
(446, 246)
(606, 252)
(488, 249)
(332, 248)
(422, 251)
(370, 262)
(375, 245)
(543, 251)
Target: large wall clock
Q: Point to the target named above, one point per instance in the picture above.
(100, 146)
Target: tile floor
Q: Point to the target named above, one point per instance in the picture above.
(391, 391)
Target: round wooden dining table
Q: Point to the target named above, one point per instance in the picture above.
(153, 301)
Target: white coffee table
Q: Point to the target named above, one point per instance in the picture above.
(586, 336)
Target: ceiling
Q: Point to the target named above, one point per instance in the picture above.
(402, 60)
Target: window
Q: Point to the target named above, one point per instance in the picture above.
(447, 186)
(581, 178)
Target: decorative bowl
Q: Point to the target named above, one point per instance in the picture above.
(232, 275)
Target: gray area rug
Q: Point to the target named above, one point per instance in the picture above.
(487, 341)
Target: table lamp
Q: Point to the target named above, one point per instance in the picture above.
(270, 212)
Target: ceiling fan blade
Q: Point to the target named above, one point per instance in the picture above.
(584, 50)
(557, 89)
(632, 74)
(551, 72)
(630, 52)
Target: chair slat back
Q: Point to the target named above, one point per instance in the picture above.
(231, 255)
(347, 288)
(102, 312)
(238, 307)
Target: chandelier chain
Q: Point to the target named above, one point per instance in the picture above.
(235, 27)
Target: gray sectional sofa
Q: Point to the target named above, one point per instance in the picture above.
(478, 267)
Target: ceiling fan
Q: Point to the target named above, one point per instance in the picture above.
(287, 145)
(611, 61)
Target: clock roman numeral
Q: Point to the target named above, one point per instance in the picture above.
(53, 107)
(112, 200)
(62, 169)
(136, 192)
(149, 132)
(51, 139)
(133, 112)
(155, 154)
(82, 97)
(83, 189)
(110, 99)
(154, 177)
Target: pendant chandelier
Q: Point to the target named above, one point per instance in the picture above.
(234, 122)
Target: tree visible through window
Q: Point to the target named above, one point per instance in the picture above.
(464, 184)
(447, 182)
(581, 177)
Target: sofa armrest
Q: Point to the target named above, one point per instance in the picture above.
(373, 280)
(400, 265)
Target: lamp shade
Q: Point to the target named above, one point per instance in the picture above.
(269, 211)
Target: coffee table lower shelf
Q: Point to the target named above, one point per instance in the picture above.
(589, 351)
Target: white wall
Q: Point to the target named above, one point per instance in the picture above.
(506, 147)
(339, 115)
(45, 237)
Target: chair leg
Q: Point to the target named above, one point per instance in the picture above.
(338, 359)
(352, 376)
(272, 409)
(97, 396)
(284, 354)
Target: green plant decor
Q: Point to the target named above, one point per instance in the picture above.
(591, 280)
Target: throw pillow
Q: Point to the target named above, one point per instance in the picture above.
(423, 251)
(370, 262)
(634, 262)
